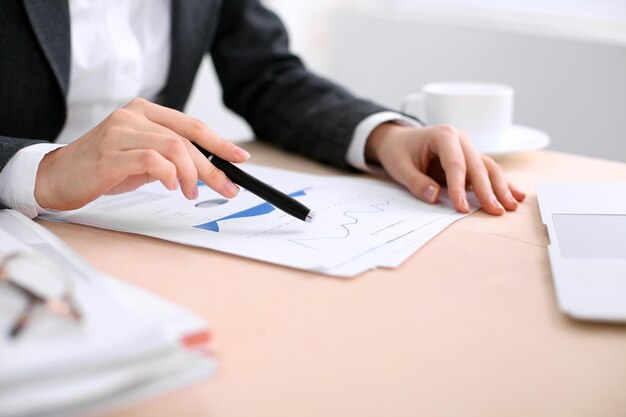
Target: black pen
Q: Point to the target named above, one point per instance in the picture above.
(268, 193)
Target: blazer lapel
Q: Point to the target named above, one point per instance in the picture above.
(51, 22)
(193, 27)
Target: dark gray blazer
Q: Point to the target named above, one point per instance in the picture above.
(262, 81)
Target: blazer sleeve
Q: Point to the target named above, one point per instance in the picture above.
(9, 146)
(270, 87)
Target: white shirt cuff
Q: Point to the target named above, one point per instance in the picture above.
(17, 179)
(356, 151)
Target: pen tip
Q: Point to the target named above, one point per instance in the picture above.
(310, 217)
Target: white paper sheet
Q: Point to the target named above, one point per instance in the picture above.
(361, 224)
(126, 347)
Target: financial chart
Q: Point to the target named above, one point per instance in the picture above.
(360, 224)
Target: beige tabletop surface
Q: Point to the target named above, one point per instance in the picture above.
(467, 326)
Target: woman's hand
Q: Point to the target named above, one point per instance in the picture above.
(136, 144)
(422, 158)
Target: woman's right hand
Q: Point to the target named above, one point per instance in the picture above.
(136, 144)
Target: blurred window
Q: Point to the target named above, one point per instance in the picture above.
(603, 9)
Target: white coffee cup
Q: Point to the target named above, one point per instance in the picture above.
(483, 110)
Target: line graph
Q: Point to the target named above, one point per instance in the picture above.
(361, 223)
(350, 214)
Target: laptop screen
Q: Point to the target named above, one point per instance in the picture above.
(591, 236)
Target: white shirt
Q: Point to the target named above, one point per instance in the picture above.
(120, 50)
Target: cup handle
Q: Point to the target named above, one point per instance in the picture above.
(413, 104)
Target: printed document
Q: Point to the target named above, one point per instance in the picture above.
(127, 345)
(360, 223)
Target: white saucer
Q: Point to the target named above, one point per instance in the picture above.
(519, 139)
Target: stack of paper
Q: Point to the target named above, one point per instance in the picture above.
(128, 345)
(360, 223)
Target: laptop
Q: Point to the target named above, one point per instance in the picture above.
(586, 225)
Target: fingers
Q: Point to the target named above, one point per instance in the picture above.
(487, 180)
(213, 177)
(134, 145)
(404, 171)
(210, 175)
(190, 128)
(135, 162)
(463, 167)
(447, 146)
(517, 193)
(486, 183)
(190, 163)
(506, 194)
(174, 149)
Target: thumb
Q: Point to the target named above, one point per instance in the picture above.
(419, 184)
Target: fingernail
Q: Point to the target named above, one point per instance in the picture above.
(511, 199)
(174, 184)
(497, 203)
(195, 192)
(241, 152)
(464, 204)
(430, 193)
(230, 187)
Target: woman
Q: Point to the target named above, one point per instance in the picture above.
(110, 78)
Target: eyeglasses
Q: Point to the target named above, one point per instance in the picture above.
(43, 284)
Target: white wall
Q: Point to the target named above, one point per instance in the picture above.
(569, 81)
(569, 76)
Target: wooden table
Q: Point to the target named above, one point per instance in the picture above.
(468, 326)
